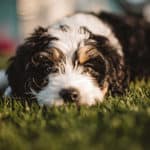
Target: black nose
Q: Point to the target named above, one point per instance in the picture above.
(70, 94)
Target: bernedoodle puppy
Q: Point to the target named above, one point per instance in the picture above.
(79, 59)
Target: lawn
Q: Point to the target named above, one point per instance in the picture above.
(120, 123)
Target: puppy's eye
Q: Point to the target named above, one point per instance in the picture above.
(50, 69)
(88, 68)
(39, 57)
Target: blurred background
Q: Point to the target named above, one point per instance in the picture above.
(18, 18)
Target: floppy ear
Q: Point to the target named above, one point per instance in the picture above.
(117, 71)
(17, 69)
(118, 74)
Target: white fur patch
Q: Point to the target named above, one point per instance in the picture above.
(73, 77)
(68, 41)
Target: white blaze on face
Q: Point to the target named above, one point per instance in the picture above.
(68, 41)
(90, 93)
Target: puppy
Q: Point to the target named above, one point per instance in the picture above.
(80, 58)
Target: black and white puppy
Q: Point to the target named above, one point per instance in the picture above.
(80, 58)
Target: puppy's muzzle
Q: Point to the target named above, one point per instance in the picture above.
(70, 95)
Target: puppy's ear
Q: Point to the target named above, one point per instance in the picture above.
(118, 74)
(17, 69)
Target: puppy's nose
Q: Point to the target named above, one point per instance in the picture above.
(70, 94)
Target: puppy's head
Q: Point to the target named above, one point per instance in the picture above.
(63, 64)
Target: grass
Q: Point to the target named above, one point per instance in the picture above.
(119, 123)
